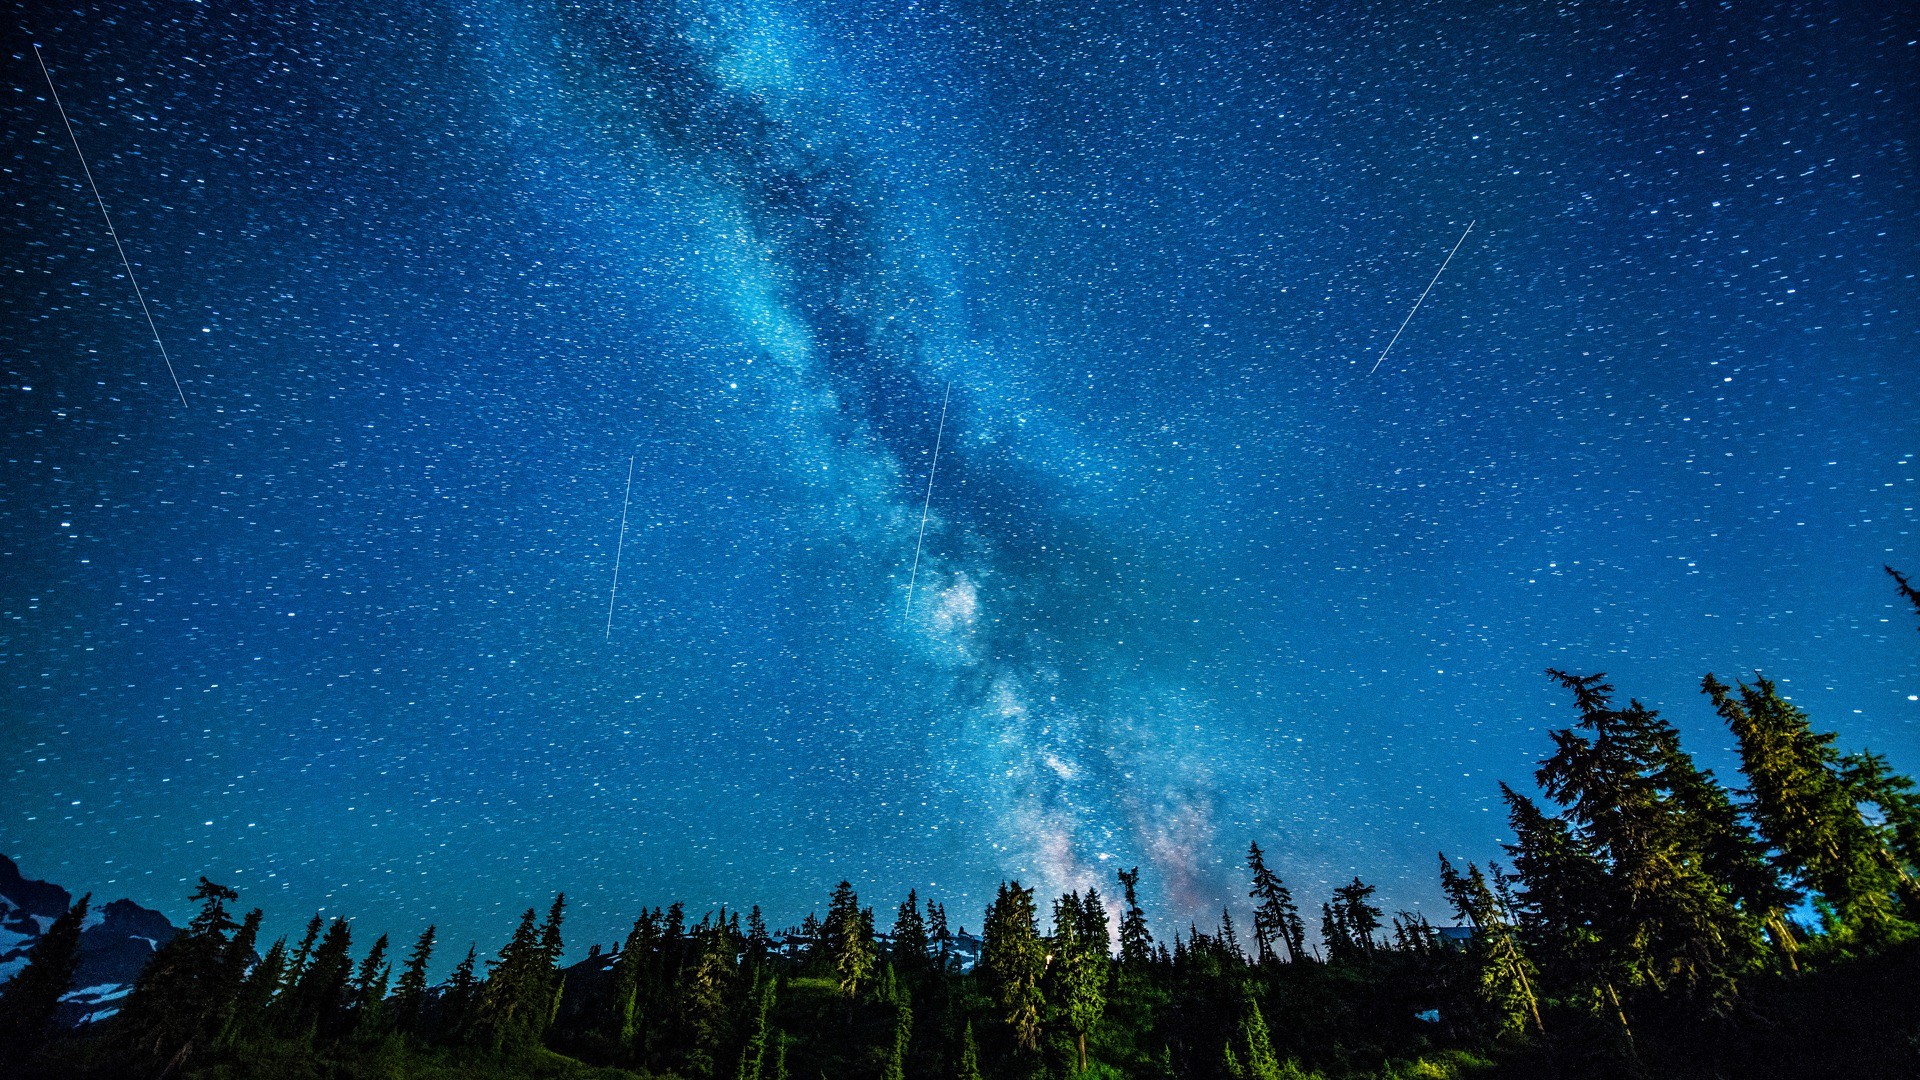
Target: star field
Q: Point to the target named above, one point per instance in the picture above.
(335, 633)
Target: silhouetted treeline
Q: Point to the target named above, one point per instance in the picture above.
(1648, 920)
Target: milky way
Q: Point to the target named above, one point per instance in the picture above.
(337, 632)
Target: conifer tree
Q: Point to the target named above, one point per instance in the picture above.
(849, 942)
(514, 1000)
(1096, 929)
(302, 954)
(369, 991)
(1014, 960)
(910, 935)
(251, 1009)
(1078, 975)
(1806, 805)
(320, 1001)
(1274, 915)
(460, 1003)
(753, 1055)
(1135, 942)
(896, 1063)
(1349, 922)
(969, 1055)
(29, 999)
(1640, 903)
(182, 999)
(1229, 940)
(1256, 1059)
(759, 942)
(939, 935)
(703, 1004)
(1505, 979)
(410, 996)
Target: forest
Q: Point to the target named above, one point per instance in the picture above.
(1648, 919)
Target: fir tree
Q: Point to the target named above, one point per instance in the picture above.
(896, 1063)
(1275, 915)
(410, 996)
(969, 1055)
(1256, 1059)
(1230, 940)
(182, 1000)
(460, 1003)
(849, 942)
(753, 1055)
(28, 1001)
(302, 954)
(1807, 808)
(369, 992)
(939, 935)
(514, 1001)
(759, 942)
(1505, 978)
(1014, 959)
(1078, 975)
(1096, 929)
(910, 935)
(1135, 942)
(703, 1005)
(1662, 917)
(251, 1010)
(320, 1000)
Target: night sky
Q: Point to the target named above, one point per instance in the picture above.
(336, 633)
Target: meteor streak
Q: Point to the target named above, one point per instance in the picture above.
(618, 545)
(102, 204)
(928, 503)
(1423, 296)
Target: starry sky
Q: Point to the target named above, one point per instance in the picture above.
(340, 631)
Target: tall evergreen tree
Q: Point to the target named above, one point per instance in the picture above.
(320, 1001)
(28, 1001)
(460, 1002)
(938, 934)
(1505, 978)
(969, 1055)
(1136, 944)
(1255, 1059)
(910, 935)
(761, 1035)
(252, 1007)
(1078, 975)
(1642, 904)
(410, 996)
(183, 998)
(1350, 921)
(369, 991)
(759, 945)
(895, 1067)
(1807, 808)
(1096, 929)
(703, 1005)
(1275, 915)
(1014, 960)
(515, 998)
(302, 954)
(849, 941)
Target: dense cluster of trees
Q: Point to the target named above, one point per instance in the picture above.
(1648, 920)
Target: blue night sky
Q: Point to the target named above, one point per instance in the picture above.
(336, 632)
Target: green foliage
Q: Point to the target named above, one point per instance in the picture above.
(1806, 801)
(1014, 960)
